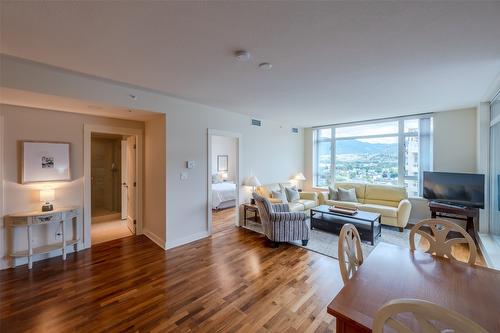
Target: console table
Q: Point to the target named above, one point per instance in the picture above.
(457, 213)
(28, 220)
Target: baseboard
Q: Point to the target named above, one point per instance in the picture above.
(187, 239)
(157, 240)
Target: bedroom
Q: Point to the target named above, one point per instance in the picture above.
(224, 185)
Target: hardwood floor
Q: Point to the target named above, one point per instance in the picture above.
(223, 219)
(230, 282)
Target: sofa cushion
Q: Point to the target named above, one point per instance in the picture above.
(350, 205)
(382, 210)
(385, 194)
(308, 204)
(348, 195)
(359, 187)
(296, 206)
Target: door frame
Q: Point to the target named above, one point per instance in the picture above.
(87, 195)
(238, 137)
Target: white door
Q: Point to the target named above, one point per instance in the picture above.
(124, 180)
(131, 182)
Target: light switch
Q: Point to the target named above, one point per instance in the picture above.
(190, 164)
(184, 175)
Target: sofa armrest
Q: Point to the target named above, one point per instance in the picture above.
(309, 196)
(404, 210)
(322, 197)
(288, 216)
(281, 208)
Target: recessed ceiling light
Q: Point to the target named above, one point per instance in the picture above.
(265, 66)
(242, 55)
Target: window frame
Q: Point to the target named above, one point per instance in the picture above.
(424, 135)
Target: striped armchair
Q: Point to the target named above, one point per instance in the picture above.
(279, 224)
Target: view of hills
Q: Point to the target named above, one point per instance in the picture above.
(360, 147)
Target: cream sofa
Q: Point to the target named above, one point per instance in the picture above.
(307, 200)
(391, 202)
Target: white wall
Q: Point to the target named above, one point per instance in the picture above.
(155, 180)
(23, 123)
(455, 141)
(222, 145)
(271, 152)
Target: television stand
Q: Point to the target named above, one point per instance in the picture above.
(462, 213)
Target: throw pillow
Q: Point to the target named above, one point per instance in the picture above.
(347, 195)
(279, 195)
(333, 194)
(292, 194)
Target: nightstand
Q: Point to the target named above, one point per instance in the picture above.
(254, 216)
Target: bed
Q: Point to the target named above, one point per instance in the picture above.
(223, 195)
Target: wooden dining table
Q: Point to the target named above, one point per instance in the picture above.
(392, 272)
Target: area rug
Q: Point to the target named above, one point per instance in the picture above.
(327, 243)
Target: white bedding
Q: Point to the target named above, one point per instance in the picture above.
(222, 192)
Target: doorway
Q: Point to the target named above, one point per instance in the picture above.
(223, 180)
(124, 202)
(112, 192)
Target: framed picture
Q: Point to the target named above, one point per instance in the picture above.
(222, 163)
(45, 162)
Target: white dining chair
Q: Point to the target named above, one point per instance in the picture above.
(350, 253)
(438, 244)
(425, 317)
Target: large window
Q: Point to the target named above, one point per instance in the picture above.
(394, 152)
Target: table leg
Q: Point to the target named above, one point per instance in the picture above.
(244, 216)
(372, 233)
(63, 240)
(30, 249)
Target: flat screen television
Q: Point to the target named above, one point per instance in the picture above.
(461, 189)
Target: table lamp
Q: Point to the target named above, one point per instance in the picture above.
(253, 182)
(47, 195)
(299, 178)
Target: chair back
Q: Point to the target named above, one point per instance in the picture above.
(265, 209)
(438, 243)
(423, 316)
(350, 253)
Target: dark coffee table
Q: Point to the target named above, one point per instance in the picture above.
(368, 224)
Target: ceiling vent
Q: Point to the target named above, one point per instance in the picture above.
(295, 130)
(256, 122)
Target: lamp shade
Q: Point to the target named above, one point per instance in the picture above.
(47, 195)
(252, 181)
(299, 176)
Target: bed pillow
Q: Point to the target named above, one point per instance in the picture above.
(279, 195)
(348, 195)
(333, 194)
(216, 178)
(292, 193)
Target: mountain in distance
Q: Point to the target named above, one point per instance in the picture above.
(360, 147)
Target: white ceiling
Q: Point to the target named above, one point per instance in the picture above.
(332, 61)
